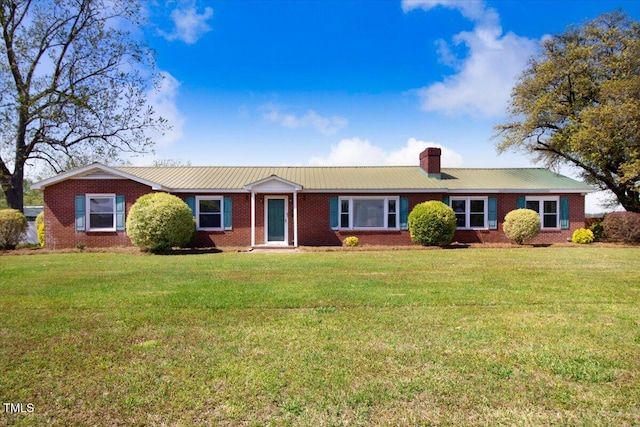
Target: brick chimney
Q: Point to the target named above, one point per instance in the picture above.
(430, 162)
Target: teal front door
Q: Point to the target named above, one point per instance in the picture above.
(276, 221)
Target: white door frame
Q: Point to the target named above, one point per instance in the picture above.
(286, 221)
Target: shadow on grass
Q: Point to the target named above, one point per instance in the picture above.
(457, 245)
(188, 251)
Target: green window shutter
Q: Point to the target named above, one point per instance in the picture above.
(227, 206)
(191, 202)
(120, 207)
(493, 213)
(80, 213)
(521, 203)
(333, 213)
(564, 213)
(445, 200)
(404, 213)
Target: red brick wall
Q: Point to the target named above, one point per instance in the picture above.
(314, 228)
(59, 212)
(507, 203)
(313, 219)
(239, 235)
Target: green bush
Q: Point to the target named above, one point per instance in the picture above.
(40, 227)
(582, 235)
(351, 241)
(13, 227)
(622, 227)
(39, 219)
(521, 225)
(159, 222)
(432, 223)
(598, 230)
(41, 234)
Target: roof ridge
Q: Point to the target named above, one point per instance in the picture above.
(267, 167)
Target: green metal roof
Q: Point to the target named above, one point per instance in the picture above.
(370, 178)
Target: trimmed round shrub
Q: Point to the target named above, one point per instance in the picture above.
(432, 223)
(40, 227)
(622, 227)
(521, 225)
(13, 227)
(351, 241)
(159, 222)
(582, 235)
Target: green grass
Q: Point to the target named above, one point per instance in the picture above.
(535, 336)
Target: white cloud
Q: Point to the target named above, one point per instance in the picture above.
(189, 24)
(361, 152)
(311, 119)
(351, 152)
(471, 9)
(483, 80)
(163, 101)
(410, 154)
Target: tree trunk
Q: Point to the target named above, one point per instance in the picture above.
(630, 201)
(15, 197)
(15, 194)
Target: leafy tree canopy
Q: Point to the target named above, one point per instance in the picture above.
(73, 81)
(578, 102)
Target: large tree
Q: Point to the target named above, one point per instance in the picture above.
(578, 102)
(73, 79)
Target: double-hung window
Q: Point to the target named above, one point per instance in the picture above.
(209, 213)
(369, 213)
(101, 212)
(471, 212)
(547, 208)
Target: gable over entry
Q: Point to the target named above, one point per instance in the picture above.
(276, 212)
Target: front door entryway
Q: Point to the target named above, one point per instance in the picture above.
(276, 220)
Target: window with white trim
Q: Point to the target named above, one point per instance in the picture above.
(363, 213)
(547, 208)
(471, 212)
(101, 212)
(209, 212)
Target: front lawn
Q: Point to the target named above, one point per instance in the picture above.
(534, 336)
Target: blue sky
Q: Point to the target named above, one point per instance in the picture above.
(346, 82)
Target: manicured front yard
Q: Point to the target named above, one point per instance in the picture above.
(535, 336)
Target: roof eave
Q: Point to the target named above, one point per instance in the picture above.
(80, 172)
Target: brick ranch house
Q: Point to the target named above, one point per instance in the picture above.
(309, 206)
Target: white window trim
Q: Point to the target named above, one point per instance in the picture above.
(219, 198)
(467, 213)
(87, 212)
(372, 197)
(543, 199)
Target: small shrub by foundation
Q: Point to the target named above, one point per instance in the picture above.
(351, 241)
(582, 235)
(598, 230)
